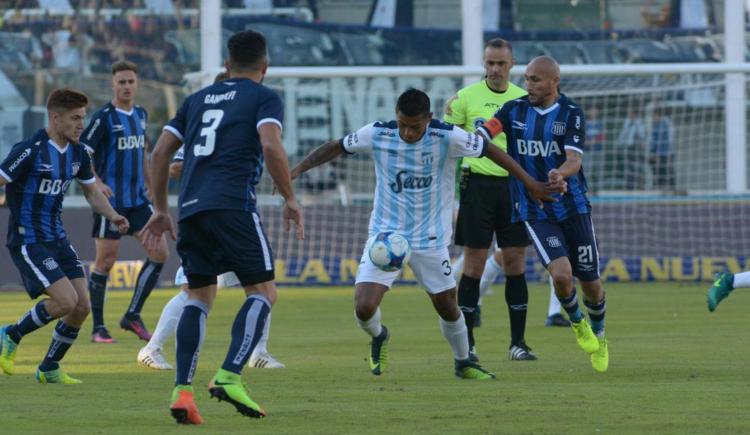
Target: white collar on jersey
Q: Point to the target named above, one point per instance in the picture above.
(547, 110)
(130, 113)
(60, 149)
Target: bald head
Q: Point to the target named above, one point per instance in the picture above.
(542, 81)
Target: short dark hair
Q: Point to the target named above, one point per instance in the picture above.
(413, 102)
(64, 100)
(246, 49)
(498, 43)
(124, 65)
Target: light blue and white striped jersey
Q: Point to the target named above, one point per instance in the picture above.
(414, 182)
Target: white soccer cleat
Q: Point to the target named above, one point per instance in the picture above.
(153, 359)
(264, 361)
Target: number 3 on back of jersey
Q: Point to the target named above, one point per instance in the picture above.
(213, 119)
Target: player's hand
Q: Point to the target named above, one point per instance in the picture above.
(154, 230)
(293, 213)
(539, 193)
(556, 182)
(104, 189)
(122, 223)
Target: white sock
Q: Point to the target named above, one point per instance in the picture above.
(554, 303)
(167, 324)
(455, 333)
(458, 267)
(491, 271)
(261, 347)
(373, 327)
(742, 279)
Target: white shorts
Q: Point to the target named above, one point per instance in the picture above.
(228, 279)
(432, 268)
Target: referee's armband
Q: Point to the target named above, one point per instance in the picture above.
(492, 127)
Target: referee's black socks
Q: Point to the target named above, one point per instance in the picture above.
(468, 299)
(517, 298)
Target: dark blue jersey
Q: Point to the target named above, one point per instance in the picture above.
(39, 172)
(537, 140)
(117, 140)
(218, 126)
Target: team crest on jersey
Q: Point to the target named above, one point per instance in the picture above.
(479, 122)
(558, 128)
(553, 242)
(427, 159)
(50, 263)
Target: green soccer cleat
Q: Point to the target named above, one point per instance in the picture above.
(723, 285)
(8, 349)
(56, 376)
(467, 369)
(585, 336)
(600, 358)
(228, 386)
(379, 352)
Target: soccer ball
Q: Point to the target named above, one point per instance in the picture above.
(389, 251)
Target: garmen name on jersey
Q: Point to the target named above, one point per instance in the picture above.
(117, 140)
(537, 140)
(39, 172)
(414, 181)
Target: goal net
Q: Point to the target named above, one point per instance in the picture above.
(655, 159)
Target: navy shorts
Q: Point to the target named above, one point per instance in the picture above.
(42, 264)
(217, 241)
(573, 238)
(485, 210)
(137, 216)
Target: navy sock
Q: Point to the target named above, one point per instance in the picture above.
(596, 310)
(191, 330)
(468, 300)
(570, 305)
(147, 279)
(97, 293)
(62, 338)
(246, 331)
(34, 319)
(517, 298)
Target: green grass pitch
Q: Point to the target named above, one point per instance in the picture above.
(674, 368)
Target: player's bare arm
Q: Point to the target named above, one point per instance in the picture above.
(147, 166)
(175, 170)
(103, 188)
(573, 162)
(160, 221)
(100, 204)
(322, 154)
(277, 165)
(537, 189)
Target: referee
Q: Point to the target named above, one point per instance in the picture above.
(485, 205)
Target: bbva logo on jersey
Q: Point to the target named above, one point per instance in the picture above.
(537, 148)
(53, 187)
(130, 142)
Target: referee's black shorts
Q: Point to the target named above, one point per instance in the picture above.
(485, 209)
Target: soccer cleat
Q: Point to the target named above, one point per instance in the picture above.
(557, 320)
(56, 376)
(264, 361)
(470, 370)
(8, 349)
(229, 387)
(723, 285)
(473, 357)
(600, 358)
(183, 407)
(585, 336)
(153, 359)
(136, 326)
(101, 335)
(379, 352)
(521, 352)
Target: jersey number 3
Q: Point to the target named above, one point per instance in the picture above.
(213, 119)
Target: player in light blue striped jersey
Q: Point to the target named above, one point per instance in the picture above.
(415, 159)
